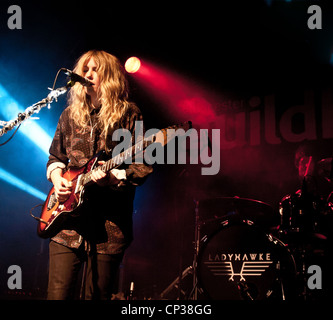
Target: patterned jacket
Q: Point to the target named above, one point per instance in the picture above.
(105, 223)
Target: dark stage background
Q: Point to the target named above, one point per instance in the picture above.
(252, 69)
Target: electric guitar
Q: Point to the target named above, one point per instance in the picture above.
(55, 214)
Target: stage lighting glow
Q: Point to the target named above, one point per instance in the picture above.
(10, 109)
(132, 65)
(11, 179)
(182, 98)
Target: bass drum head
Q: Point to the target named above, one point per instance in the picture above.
(240, 262)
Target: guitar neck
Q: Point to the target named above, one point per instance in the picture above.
(119, 159)
(163, 136)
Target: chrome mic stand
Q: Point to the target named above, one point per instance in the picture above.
(35, 108)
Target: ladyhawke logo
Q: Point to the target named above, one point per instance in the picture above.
(252, 264)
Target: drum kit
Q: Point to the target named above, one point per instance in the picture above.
(247, 250)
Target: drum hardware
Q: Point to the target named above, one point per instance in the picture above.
(300, 213)
(278, 268)
(237, 259)
(222, 208)
(175, 283)
(193, 295)
(196, 250)
(303, 274)
(235, 211)
(245, 290)
(300, 228)
(241, 262)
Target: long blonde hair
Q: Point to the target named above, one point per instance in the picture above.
(113, 92)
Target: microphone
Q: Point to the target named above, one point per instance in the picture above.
(76, 78)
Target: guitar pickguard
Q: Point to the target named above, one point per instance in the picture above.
(52, 201)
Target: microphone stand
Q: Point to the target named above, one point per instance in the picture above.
(35, 108)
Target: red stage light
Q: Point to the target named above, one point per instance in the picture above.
(132, 65)
(182, 98)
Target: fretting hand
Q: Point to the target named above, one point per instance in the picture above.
(103, 179)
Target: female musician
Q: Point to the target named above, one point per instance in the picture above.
(103, 230)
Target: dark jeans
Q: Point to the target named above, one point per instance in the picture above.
(64, 267)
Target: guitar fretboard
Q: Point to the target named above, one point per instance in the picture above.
(119, 159)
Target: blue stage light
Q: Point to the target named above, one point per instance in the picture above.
(10, 109)
(9, 178)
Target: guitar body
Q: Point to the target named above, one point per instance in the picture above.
(55, 214)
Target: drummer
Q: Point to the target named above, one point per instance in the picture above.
(315, 188)
(309, 174)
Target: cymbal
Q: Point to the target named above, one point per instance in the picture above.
(223, 208)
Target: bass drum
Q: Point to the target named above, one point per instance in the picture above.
(240, 262)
